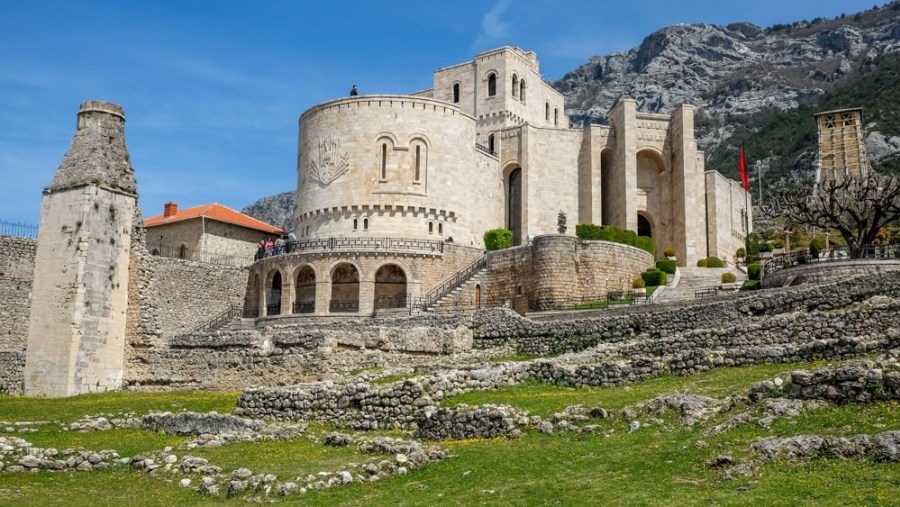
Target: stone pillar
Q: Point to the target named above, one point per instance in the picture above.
(76, 335)
(688, 190)
(624, 179)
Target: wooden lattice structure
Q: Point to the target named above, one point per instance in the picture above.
(842, 146)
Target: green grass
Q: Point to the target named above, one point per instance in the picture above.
(657, 465)
(627, 299)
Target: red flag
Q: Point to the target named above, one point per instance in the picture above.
(742, 167)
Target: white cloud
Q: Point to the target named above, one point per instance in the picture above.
(493, 27)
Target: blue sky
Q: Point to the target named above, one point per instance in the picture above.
(212, 90)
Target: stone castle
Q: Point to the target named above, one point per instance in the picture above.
(394, 195)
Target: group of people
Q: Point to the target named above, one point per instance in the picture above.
(269, 247)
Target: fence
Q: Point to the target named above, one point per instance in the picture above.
(353, 245)
(613, 298)
(183, 252)
(841, 253)
(18, 230)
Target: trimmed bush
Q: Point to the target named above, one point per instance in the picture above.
(666, 266)
(669, 251)
(653, 277)
(638, 283)
(741, 253)
(753, 270)
(814, 250)
(497, 239)
(588, 232)
(701, 263)
(750, 285)
(778, 243)
(714, 262)
(646, 243)
(728, 278)
(766, 247)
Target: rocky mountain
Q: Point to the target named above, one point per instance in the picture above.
(738, 70)
(275, 209)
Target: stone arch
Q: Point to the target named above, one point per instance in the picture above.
(608, 194)
(182, 251)
(645, 224)
(305, 289)
(651, 192)
(491, 144)
(514, 187)
(385, 143)
(274, 282)
(477, 296)
(390, 286)
(344, 288)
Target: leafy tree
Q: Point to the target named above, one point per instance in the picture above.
(858, 208)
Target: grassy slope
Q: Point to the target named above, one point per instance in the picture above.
(792, 134)
(659, 465)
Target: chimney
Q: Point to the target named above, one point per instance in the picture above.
(170, 209)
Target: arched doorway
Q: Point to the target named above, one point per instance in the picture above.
(390, 287)
(305, 301)
(273, 295)
(344, 289)
(514, 205)
(644, 226)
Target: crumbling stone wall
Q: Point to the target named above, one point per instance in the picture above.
(828, 272)
(16, 271)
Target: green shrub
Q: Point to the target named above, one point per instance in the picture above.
(638, 283)
(754, 258)
(766, 247)
(714, 262)
(497, 239)
(741, 253)
(653, 277)
(753, 240)
(750, 285)
(728, 278)
(777, 243)
(612, 233)
(701, 263)
(670, 251)
(813, 250)
(666, 266)
(753, 270)
(645, 243)
(588, 232)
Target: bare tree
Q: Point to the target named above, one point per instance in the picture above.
(855, 207)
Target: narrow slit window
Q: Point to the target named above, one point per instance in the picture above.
(365, 224)
(515, 86)
(456, 93)
(522, 90)
(418, 174)
(430, 227)
(547, 111)
(555, 116)
(492, 85)
(384, 161)
(491, 144)
(355, 224)
(440, 228)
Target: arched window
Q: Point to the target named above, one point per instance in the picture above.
(456, 93)
(547, 111)
(383, 161)
(556, 116)
(366, 224)
(430, 227)
(492, 85)
(418, 174)
(355, 224)
(491, 144)
(440, 227)
(515, 86)
(522, 90)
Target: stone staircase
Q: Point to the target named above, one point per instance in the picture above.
(462, 297)
(694, 279)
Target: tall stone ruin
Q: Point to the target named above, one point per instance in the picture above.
(76, 333)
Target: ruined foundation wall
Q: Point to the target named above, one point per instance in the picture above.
(16, 272)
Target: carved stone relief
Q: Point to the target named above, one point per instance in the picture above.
(330, 165)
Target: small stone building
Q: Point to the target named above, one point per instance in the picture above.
(209, 232)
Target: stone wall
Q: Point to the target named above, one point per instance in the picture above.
(556, 267)
(12, 375)
(828, 271)
(16, 271)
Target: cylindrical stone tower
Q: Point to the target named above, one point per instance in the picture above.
(76, 333)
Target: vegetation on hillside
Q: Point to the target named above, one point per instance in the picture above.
(788, 138)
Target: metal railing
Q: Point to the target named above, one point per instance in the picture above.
(353, 245)
(18, 230)
(343, 306)
(485, 149)
(273, 309)
(453, 282)
(613, 298)
(386, 302)
(836, 254)
(224, 318)
(183, 252)
(304, 307)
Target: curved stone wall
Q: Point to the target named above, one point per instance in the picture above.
(827, 272)
(393, 166)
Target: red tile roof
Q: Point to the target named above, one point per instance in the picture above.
(213, 211)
